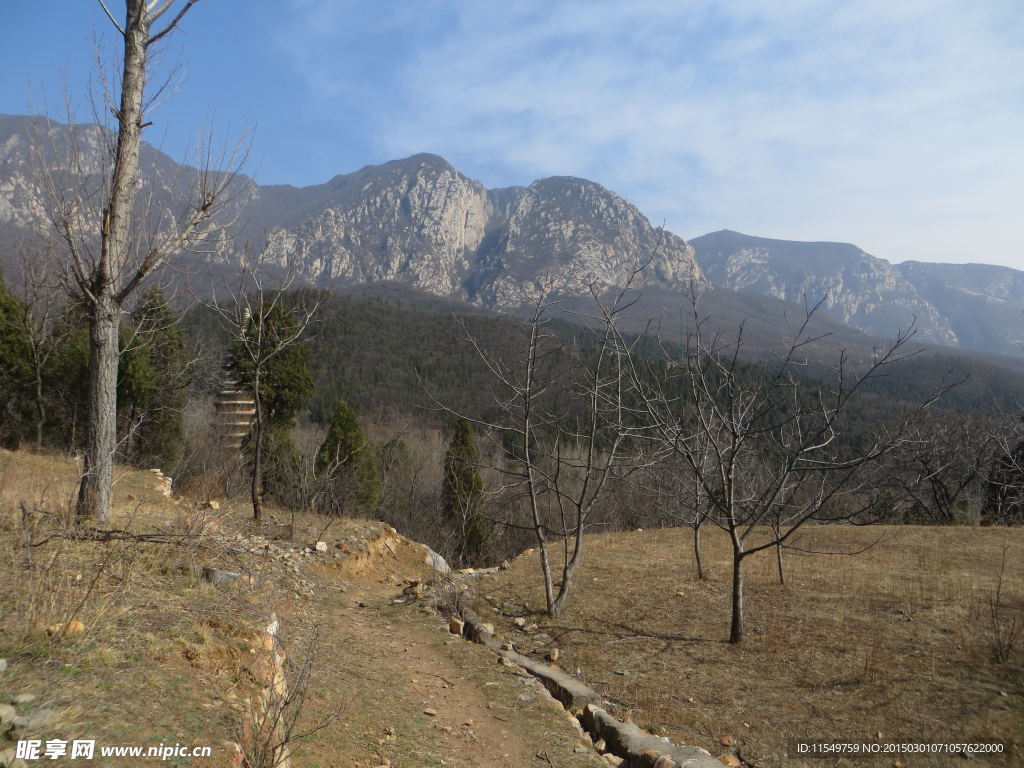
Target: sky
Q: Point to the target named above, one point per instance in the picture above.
(897, 125)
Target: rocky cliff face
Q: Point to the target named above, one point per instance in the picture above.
(969, 305)
(415, 221)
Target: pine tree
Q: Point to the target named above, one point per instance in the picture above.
(157, 356)
(273, 365)
(15, 368)
(347, 457)
(462, 494)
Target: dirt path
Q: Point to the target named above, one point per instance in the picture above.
(413, 695)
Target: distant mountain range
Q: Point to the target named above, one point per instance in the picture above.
(420, 223)
(974, 306)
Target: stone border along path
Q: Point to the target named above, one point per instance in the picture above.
(636, 747)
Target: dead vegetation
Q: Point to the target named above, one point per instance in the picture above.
(899, 640)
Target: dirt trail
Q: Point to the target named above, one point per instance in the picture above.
(414, 695)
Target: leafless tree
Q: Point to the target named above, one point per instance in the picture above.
(761, 443)
(250, 313)
(42, 302)
(939, 469)
(562, 451)
(115, 242)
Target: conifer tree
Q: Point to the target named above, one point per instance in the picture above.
(348, 459)
(462, 494)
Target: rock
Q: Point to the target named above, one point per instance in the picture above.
(622, 672)
(437, 562)
(487, 627)
(320, 546)
(519, 621)
(71, 628)
(219, 578)
(455, 626)
(599, 745)
(580, 750)
(507, 647)
(505, 565)
(3, 665)
(24, 698)
(730, 760)
(7, 713)
(553, 655)
(665, 761)
(210, 504)
(727, 741)
(430, 711)
(35, 721)
(612, 759)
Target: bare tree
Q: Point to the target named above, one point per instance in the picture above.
(939, 470)
(112, 246)
(761, 443)
(565, 436)
(252, 317)
(42, 302)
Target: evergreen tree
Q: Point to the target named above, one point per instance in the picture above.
(15, 368)
(273, 365)
(347, 457)
(462, 494)
(157, 382)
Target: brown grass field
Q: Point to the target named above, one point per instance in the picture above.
(891, 644)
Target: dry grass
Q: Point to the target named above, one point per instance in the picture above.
(896, 640)
(160, 648)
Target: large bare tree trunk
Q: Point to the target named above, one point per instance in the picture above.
(98, 469)
(115, 235)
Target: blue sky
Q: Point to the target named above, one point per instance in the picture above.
(898, 126)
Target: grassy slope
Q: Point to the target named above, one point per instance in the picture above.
(893, 641)
(167, 658)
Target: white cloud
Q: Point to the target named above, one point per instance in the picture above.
(893, 124)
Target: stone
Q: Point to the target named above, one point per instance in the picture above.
(219, 578)
(507, 647)
(505, 565)
(599, 745)
(519, 621)
(612, 759)
(320, 546)
(487, 627)
(580, 750)
(430, 711)
(727, 741)
(455, 626)
(24, 698)
(553, 655)
(3, 665)
(730, 760)
(7, 713)
(622, 672)
(36, 721)
(71, 628)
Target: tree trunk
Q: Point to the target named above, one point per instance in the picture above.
(40, 409)
(568, 570)
(101, 429)
(778, 563)
(108, 276)
(256, 486)
(696, 553)
(736, 628)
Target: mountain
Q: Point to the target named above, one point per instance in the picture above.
(421, 224)
(974, 306)
(416, 221)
